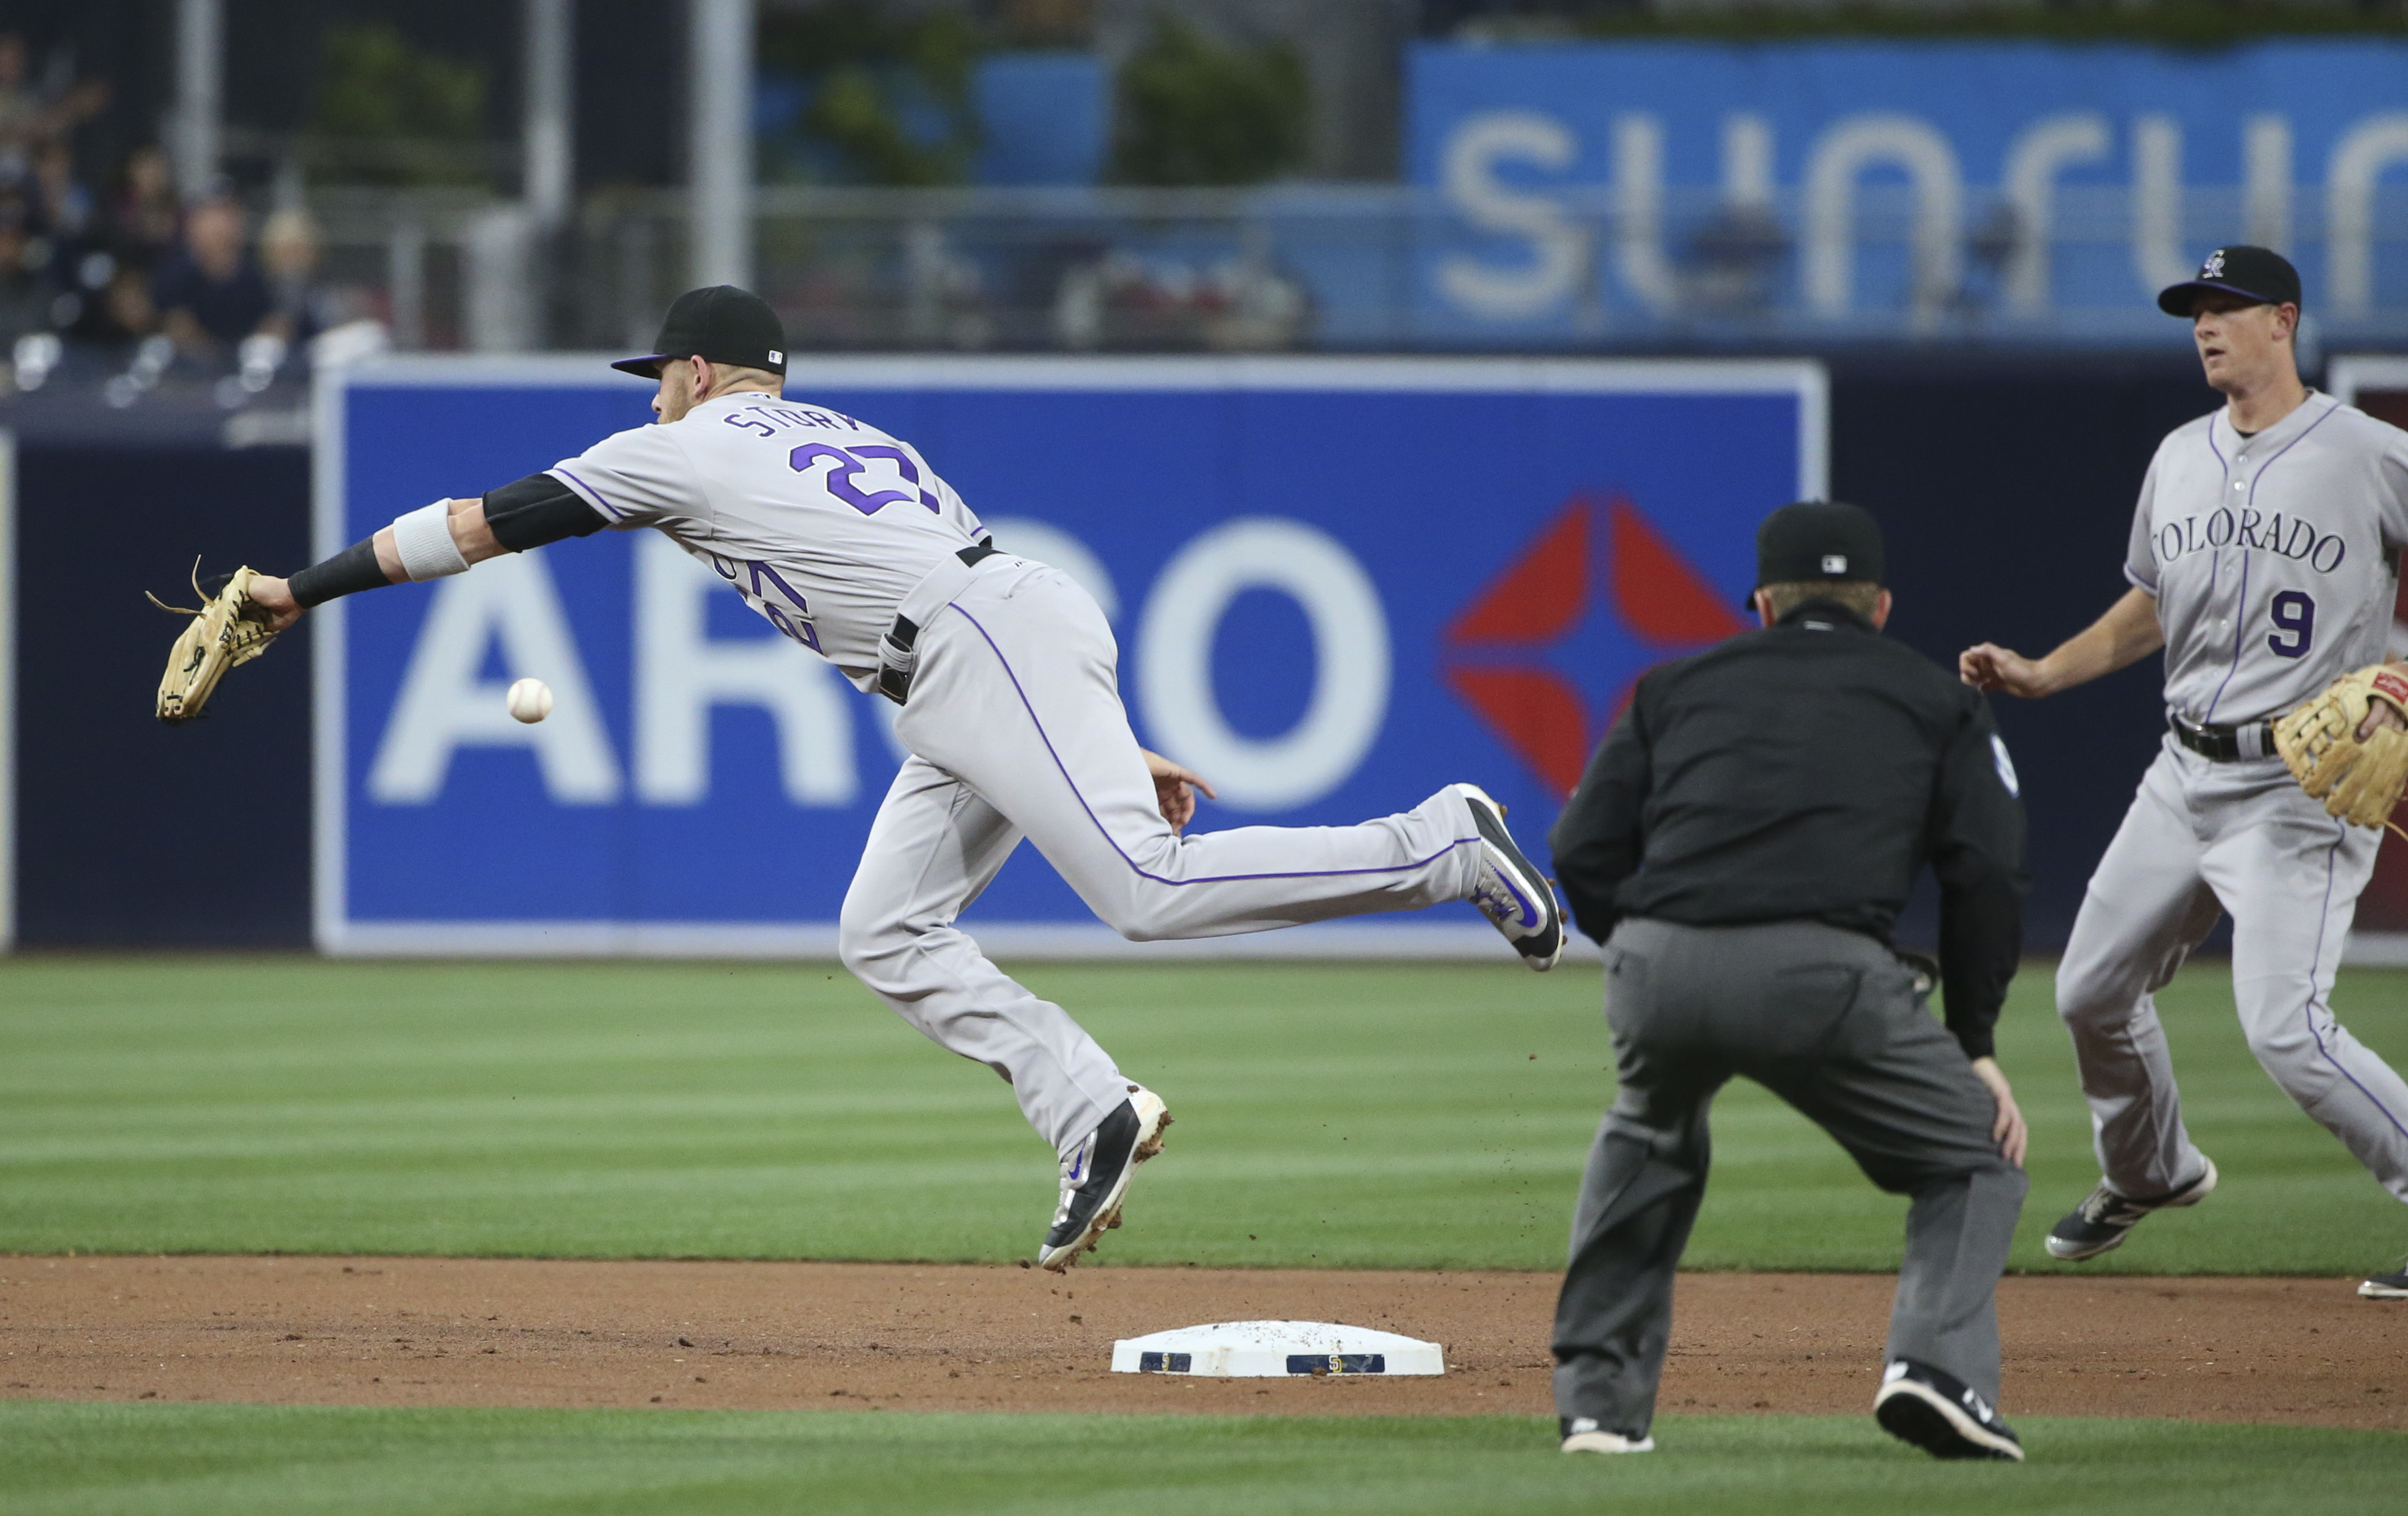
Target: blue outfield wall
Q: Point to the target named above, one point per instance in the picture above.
(2006, 491)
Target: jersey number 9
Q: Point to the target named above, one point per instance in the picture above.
(2295, 624)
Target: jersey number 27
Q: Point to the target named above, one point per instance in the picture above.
(847, 468)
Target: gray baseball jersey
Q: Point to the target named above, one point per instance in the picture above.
(2272, 559)
(2275, 558)
(788, 502)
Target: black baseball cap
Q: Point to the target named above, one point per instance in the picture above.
(723, 323)
(2259, 274)
(1818, 541)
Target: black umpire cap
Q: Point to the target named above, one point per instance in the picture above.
(1818, 541)
(2259, 274)
(721, 323)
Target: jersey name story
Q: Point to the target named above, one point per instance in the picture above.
(2273, 557)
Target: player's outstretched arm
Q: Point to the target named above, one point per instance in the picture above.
(2128, 633)
(445, 537)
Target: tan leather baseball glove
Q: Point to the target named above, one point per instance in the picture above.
(225, 632)
(2358, 781)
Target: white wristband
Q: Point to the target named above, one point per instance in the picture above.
(424, 539)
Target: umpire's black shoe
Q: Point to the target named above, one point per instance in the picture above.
(1939, 1413)
(1581, 1434)
(1510, 892)
(2391, 1286)
(1096, 1176)
(2100, 1223)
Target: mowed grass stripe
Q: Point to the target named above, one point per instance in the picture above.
(1376, 1115)
(68, 1460)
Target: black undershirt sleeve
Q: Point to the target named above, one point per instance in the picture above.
(537, 509)
(529, 513)
(348, 572)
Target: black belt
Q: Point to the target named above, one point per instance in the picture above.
(896, 683)
(2225, 744)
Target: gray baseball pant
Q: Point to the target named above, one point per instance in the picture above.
(2200, 839)
(1829, 1021)
(1016, 728)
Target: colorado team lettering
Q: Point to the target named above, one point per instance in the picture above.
(2297, 539)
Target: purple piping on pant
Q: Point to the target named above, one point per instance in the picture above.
(2308, 1011)
(592, 495)
(1134, 867)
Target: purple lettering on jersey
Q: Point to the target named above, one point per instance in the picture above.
(802, 632)
(2294, 615)
(2246, 533)
(793, 596)
(841, 476)
(903, 461)
(748, 423)
(2219, 529)
(724, 567)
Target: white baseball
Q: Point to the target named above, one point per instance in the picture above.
(530, 700)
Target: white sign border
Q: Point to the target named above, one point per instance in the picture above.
(1805, 378)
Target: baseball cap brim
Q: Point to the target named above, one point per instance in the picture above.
(647, 367)
(2175, 299)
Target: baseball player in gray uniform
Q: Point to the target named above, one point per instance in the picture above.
(849, 542)
(2264, 561)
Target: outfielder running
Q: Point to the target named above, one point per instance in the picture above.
(845, 539)
(2264, 561)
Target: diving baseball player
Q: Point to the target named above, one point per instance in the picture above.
(848, 541)
(2264, 561)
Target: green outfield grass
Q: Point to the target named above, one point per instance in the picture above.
(1328, 1114)
(265, 1461)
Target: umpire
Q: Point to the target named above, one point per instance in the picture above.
(1741, 844)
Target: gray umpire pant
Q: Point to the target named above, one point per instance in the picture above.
(1829, 1021)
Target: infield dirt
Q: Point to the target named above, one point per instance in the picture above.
(784, 1336)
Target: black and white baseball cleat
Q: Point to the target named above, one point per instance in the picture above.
(2391, 1286)
(1583, 1434)
(1096, 1176)
(1940, 1414)
(2100, 1222)
(1514, 896)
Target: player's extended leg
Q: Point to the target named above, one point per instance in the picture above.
(2291, 875)
(2147, 906)
(934, 846)
(1015, 693)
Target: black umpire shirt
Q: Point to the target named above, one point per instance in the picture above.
(1807, 771)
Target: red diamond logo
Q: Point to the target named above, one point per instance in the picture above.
(1538, 600)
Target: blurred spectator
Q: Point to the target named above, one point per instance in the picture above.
(143, 223)
(210, 292)
(25, 294)
(66, 205)
(26, 118)
(288, 251)
(21, 108)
